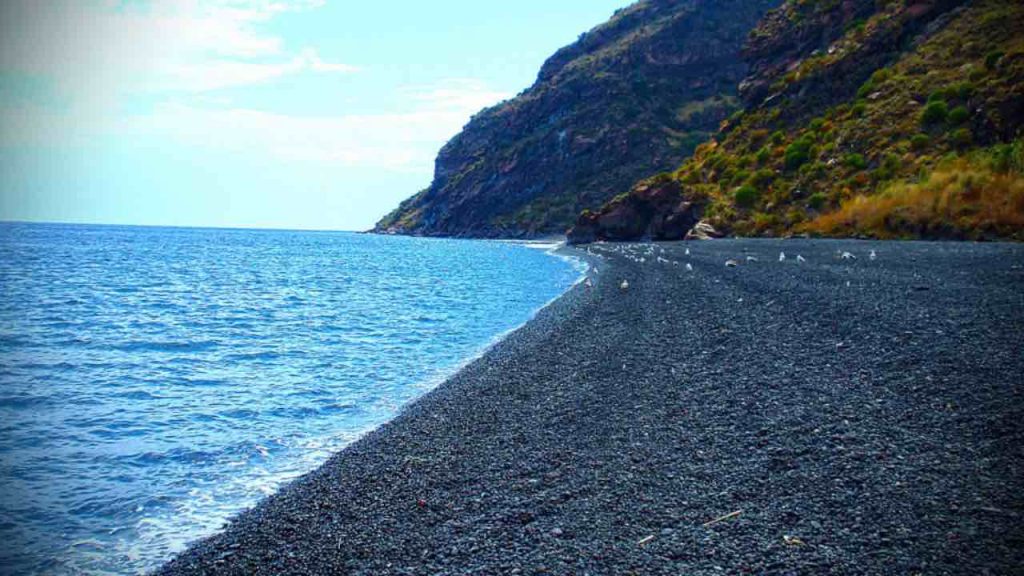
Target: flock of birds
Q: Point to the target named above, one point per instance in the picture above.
(644, 253)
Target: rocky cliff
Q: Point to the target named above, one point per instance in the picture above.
(631, 98)
(886, 118)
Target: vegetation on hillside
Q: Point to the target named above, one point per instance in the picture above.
(836, 140)
(976, 196)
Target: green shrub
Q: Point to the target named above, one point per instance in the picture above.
(745, 196)
(855, 161)
(961, 137)
(778, 137)
(881, 75)
(1007, 157)
(816, 124)
(817, 201)
(798, 153)
(762, 178)
(938, 96)
(958, 115)
(992, 59)
(866, 89)
(889, 167)
(739, 176)
(858, 108)
(855, 25)
(964, 90)
(919, 141)
(935, 112)
(764, 155)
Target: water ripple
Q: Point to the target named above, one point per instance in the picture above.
(154, 382)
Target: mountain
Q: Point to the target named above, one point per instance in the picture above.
(630, 98)
(882, 118)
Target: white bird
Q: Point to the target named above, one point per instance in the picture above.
(687, 251)
(624, 285)
(800, 258)
(848, 256)
(873, 255)
(642, 260)
(731, 263)
(782, 256)
(751, 259)
(689, 267)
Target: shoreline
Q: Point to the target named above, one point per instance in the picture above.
(605, 433)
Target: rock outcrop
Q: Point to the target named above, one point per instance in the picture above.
(631, 98)
(657, 208)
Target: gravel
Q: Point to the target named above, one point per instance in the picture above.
(833, 416)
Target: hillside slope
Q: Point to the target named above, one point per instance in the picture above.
(897, 118)
(632, 97)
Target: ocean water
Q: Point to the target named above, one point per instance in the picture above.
(156, 381)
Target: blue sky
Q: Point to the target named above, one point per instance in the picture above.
(318, 114)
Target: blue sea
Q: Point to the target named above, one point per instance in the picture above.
(156, 381)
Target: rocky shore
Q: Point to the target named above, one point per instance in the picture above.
(825, 415)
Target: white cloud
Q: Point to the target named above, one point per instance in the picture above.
(402, 141)
(181, 52)
(97, 52)
(456, 93)
(217, 74)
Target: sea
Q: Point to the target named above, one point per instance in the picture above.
(154, 382)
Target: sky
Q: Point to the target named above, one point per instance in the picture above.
(301, 114)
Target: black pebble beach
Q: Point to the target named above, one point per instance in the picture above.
(831, 416)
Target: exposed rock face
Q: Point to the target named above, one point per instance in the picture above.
(656, 209)
(798, 52)
(631, 98)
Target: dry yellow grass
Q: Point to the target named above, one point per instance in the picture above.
(962, 200)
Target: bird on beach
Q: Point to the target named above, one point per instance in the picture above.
(782, 256)
(848, 256)
(800, 258)
(872, 256)
(689, 267)
(731, 263)
(624, 285)
(687, 251)
(752, 259)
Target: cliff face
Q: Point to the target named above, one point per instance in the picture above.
(632, 97)
(892, 118)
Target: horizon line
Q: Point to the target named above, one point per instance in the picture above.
(4, 221)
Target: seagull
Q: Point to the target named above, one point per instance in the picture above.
(687, 251)
(689, 267)
(751, 259)
(800, 258)
(731, 263)
(873, 255)
(848, 256)
(624, 285)
(782, 256)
